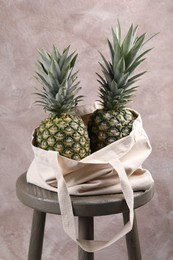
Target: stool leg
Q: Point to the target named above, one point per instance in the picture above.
(37, 234)
(86, 231)
(132, 239)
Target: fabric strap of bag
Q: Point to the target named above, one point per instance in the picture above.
(67, 210)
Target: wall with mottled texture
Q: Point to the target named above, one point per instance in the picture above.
(28, 25)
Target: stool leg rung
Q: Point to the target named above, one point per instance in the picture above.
(37, 234)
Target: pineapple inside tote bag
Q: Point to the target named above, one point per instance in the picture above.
(115, 168)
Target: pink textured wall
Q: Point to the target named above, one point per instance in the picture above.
(26, 26)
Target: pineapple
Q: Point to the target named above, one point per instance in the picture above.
(115, 120)
(62, 130)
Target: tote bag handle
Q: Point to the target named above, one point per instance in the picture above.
(67, 211)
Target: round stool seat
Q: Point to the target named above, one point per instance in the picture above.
(97, 205)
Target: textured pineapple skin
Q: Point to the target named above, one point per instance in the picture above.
(67, 135)
(108, 126)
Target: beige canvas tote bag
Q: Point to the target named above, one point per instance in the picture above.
(115, 168)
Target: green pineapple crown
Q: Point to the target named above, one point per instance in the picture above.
(117, 88)
(60, 88)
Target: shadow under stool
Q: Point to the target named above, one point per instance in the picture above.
(85, 208)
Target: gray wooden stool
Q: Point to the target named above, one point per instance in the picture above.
(86, 208)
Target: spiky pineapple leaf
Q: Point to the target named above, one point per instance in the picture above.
(123, 79)
(111, 50)
(117, 48)
(64, 57)
(126, 45)
(108, 66)
(55, 54)
(45, 59)
(121, 65)
(135, 77)
(131, 55)
(134, 65)
(118, 32)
